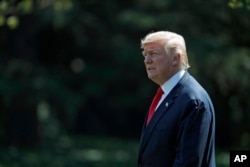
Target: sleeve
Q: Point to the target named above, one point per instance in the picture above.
(192, 136)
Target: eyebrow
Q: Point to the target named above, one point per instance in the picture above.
(150, 52)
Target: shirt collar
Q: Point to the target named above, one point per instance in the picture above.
(170, 84)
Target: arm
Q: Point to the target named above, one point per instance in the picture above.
(193, 135)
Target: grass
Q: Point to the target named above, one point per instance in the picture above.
(81, 151)
(75, 151)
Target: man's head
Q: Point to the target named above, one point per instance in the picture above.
(165, 54)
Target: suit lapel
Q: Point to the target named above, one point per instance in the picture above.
(163, 108)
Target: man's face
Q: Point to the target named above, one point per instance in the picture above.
(158, 64)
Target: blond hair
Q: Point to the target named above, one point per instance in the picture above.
(174, 43)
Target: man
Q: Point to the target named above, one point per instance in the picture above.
(179, 130)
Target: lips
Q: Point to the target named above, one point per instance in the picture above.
(150, 68)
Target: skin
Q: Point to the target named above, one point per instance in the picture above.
(160, 66)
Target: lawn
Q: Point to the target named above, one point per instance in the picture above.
(81, 151)
(77, 151)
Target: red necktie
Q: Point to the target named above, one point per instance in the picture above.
(154, 104)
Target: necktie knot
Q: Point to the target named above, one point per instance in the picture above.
(159, 91)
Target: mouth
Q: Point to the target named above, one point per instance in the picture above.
(150, 68)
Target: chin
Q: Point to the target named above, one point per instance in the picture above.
(154, 79)
(151, 77)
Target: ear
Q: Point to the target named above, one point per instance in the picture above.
(176, 59)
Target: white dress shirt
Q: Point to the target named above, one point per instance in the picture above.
(170, 84)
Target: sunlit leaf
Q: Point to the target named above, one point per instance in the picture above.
(2, 20)
(12, 22)
(26, 6)
(235, 4)
(58, 5)
(68, 5)
(3, 5)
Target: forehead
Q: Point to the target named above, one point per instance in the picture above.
(156, 45)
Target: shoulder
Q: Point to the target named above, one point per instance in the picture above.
(192, 91)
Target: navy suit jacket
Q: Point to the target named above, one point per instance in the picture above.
(181, 132)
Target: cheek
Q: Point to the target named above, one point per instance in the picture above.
(164, 70)
(164, 65)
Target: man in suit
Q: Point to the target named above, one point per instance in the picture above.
(179, 129)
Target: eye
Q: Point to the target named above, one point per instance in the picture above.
(153, 54)
(150, 54)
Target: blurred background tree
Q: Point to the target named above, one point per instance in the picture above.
(72, 68)
(234, 4)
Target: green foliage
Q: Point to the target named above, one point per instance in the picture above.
(229, 78)
(11, 11)
(74, 151)
(236, 4)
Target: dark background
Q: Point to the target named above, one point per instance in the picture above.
(72, 76)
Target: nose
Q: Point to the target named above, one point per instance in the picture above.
(147, 59)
